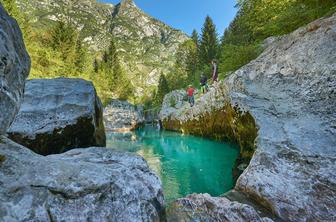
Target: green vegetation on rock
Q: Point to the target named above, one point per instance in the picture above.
(257, 20)
(227, 124)
(242, 41)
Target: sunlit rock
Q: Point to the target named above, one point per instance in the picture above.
(58, 115)
(93, 184)
(203, 207)
(289, 91)
(121, 116)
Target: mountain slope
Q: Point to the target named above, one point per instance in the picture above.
(147, 46)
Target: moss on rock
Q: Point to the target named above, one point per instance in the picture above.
(227, 123)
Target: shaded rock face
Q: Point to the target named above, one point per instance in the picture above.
(290, 91)
(151, 116)
(14, 69)
(212, 117)
(94, 184)
(203, 207)
(121, 116)
(57, 115)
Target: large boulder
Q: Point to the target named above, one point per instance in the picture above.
(121, 116)
(14, 69)
(57, 115)
(290, 93)
(92, 184)
(203, 207)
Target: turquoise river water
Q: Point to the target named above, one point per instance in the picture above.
(186, 164)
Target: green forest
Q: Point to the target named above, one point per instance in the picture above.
(59, 51)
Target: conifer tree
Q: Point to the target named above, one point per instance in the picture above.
(195, 38)
(80, 56)
(208, 48)
(163, 89)
(111, 65)
(118, 82)
(63, 39)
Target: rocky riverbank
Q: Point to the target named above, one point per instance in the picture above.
(121, 116)
(92, 184)
(282, 106)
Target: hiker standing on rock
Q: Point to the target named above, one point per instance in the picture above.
(190, 93)
(214, 70)
(204, 84)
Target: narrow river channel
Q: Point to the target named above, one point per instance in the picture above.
(186, 164)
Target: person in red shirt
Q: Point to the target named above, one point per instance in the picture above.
(190, 93)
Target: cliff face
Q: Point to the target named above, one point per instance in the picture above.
(14, 69)
(290, 93)
(147, 46)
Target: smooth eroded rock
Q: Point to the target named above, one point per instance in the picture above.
(290, 91)
(57, 115)
(14, 69)
(203, 207)
(121, 116)
(93, 184)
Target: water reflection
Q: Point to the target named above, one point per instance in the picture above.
(185, 164)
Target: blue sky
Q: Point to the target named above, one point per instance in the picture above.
(188, 14)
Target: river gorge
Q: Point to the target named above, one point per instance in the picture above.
(64, 158)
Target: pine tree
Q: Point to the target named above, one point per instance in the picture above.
(208, 48)
(163, 89)
(194, 37)
(118, 82)
(111, 65)
(80, 56)
(63, 40)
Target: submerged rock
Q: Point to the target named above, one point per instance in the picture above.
(14, 69)
(58, 115)
(289, 91)
(93, 184)
(121, 116)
